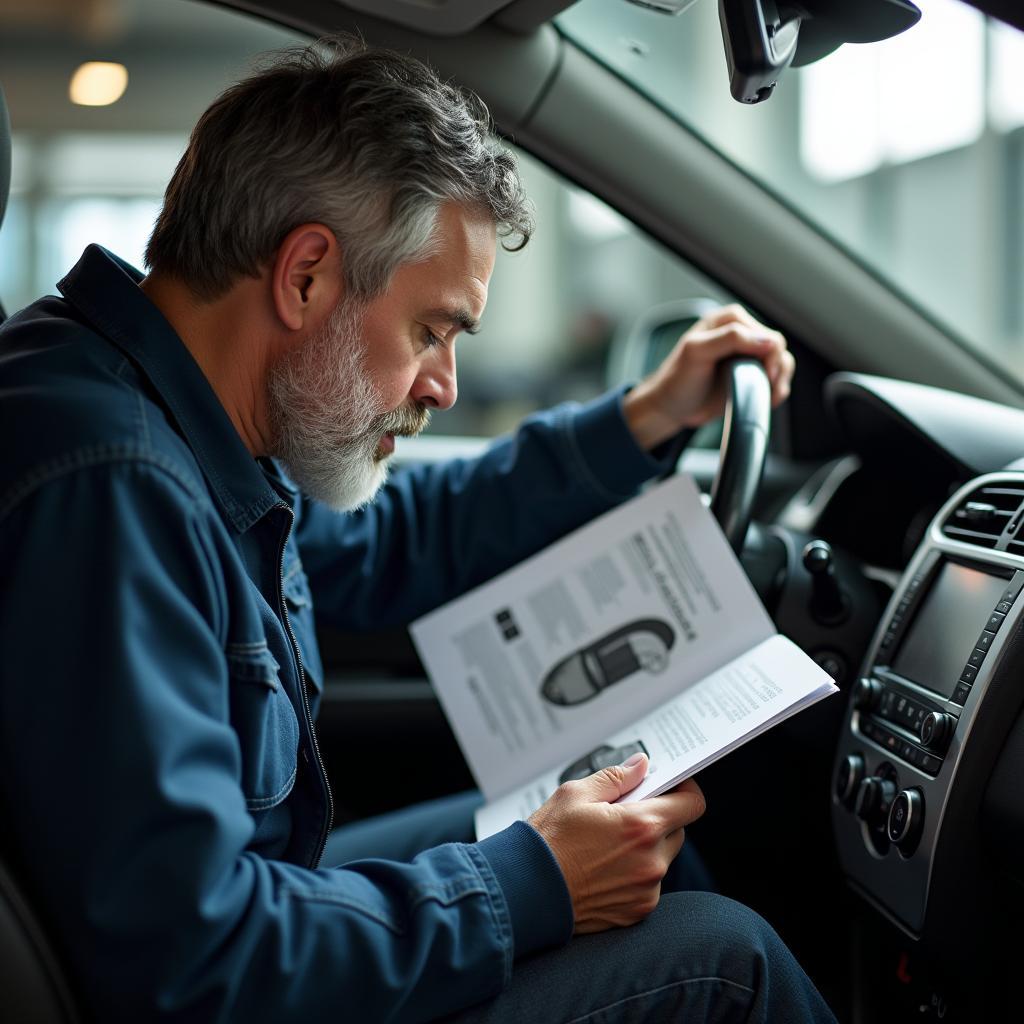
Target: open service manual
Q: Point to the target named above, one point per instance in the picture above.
(638, 632)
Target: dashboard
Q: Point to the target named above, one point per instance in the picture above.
(933, 705)
(927, 809)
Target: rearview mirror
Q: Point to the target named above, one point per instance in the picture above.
(764, 37)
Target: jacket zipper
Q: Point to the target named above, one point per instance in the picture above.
(302, 687)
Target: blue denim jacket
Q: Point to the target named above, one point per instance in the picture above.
(161, 783)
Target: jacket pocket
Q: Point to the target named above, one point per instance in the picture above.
(265, 721)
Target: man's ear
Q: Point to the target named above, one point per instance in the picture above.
(306, 279)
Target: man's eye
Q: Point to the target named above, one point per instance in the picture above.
(430, 339)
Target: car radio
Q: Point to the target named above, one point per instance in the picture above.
(935, 697)
(936, 638)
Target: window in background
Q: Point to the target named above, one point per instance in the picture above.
(901, 151)
(898, 100)
(1006, 77)
(15, 257)
(102, 188)
(67, 226)
(97, 174)
(556, 310)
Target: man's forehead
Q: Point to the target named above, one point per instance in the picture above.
(457, 280)
(466, 237)
(450, 285)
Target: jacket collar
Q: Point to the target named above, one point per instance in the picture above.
(105, 290)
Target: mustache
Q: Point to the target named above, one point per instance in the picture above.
(405, 421)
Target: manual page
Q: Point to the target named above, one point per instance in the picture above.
(708, 719)
(538, 668)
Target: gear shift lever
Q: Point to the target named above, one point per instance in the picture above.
(829, 605)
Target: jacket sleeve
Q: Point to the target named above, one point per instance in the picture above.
(435, 531)
(122, 796)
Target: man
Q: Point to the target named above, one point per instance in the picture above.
(328, 233)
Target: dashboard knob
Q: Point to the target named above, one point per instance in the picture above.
(906, 819)
(936, 730)
(848, 779)
(866, 693)
(829, 605)
(874, 797)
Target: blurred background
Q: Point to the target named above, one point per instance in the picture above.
(842, 141)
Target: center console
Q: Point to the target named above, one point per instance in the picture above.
(931, 709)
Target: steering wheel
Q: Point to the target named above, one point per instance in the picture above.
(744, 447)
(747, 411)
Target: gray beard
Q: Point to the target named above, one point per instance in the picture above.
(326, 417)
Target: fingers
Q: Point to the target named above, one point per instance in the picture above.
(673, 844)
(782, 381)
(736, 338)
(732, 331)
(680, 806)
(613, 856)
(618, 779)
(732, 313)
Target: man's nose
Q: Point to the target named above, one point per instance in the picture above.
(436, 386)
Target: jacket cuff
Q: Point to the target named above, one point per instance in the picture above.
(616, 465)
(531, 881)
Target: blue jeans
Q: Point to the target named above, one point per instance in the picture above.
(699, 957)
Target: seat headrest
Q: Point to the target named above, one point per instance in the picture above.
(5, 155)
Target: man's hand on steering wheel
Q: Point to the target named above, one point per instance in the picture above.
(686, 391)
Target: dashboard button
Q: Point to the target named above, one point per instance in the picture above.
(977, 657)
(961, 693)
(851, 771)
(984, 641)
(906, 816)
(1004, 606)
(936, 730)
(866, 693)
(874, 797)
(969, 674)
(995, 620)
(931, 764)
(1015, 587)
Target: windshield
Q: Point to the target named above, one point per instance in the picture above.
(909, 152)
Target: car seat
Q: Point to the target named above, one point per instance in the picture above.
(32, 983)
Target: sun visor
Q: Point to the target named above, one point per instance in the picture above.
(764, 37)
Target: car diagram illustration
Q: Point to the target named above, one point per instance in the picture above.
(640, 646)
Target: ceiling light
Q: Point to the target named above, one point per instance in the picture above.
(98, 83)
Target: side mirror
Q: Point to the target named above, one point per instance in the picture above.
(764, 37)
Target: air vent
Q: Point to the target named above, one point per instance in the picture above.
(984, 515)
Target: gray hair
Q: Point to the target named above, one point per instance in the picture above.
(366, 141)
